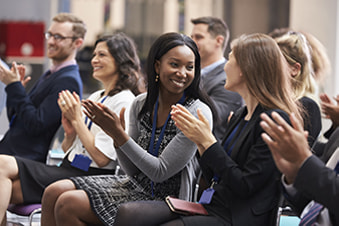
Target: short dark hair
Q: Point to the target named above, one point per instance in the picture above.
(216, 26)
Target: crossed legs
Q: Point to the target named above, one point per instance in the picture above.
(63, 204)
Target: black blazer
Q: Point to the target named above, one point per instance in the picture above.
(248, 190)
(36, 115)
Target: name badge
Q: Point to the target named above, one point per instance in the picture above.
(81, 162)
(206, 196)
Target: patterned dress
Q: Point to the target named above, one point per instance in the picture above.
(106, 193)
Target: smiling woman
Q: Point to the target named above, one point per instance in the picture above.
(88, 149)
(158, 158)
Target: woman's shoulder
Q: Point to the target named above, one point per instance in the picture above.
(97, 94)
(193, 105)
(308, 103)
(140, 99)
(125, 95)
(282, 113)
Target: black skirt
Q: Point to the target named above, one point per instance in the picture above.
(36, 176)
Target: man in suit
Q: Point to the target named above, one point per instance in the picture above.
(211, 36)
(35, 117)
(307, 180)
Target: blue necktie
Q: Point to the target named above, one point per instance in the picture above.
(311, 216)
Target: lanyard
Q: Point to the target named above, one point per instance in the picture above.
(86, 119)
(151, 149)
(155, 151)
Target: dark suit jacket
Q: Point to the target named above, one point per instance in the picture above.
(224, 100)
(317, 182)
(248, 190)
(35, 117)
(312, 122)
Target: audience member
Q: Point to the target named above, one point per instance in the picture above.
(320, 60)
(241, 169)
(211, 35)
(311, 186)
(331, 111)
(2, 89)
(296, 51)
(88, 149)
(158, 158)
(35, 117)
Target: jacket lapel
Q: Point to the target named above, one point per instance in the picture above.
(245, 133)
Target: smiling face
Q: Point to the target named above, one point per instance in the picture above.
(61, 50)
(103, 63)
(176, 70)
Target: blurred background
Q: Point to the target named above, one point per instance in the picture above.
(23, 22)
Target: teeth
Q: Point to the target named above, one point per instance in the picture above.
(178, 83)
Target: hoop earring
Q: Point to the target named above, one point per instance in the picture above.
(157, 78)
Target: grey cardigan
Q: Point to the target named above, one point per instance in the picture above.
(179, 154)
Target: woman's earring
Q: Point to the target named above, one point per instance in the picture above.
(157, 78)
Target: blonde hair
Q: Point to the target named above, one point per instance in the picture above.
(320, 60)
(265, 71)
(295, 49)
(79, 27)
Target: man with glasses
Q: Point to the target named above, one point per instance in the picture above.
(35, 116)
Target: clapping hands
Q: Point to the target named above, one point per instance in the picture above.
(330, 109)
(109, 122)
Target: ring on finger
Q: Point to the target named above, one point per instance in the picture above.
(63, 103)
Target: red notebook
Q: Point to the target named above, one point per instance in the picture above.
(185, 207)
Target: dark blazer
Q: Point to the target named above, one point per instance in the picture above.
(312, 122)
(224, 100)
(35, 117)
(248, 190)
(317, 182)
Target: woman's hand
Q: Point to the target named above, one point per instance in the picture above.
(109, 122)
(330, 109)
(288, 144)
(68, 128)
(70, 106)
(196, 129)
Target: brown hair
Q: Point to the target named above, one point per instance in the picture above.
(265, 71)
(79, 27)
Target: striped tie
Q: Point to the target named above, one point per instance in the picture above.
(311, 216)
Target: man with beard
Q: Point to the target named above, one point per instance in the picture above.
(35, 116)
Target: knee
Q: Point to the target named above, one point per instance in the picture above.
(126, 209)
(54, 190)
(7, 165)
(65, 205)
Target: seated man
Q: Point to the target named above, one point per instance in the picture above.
(35, 116)
(313, 185)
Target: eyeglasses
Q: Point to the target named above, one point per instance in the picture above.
(57, 37)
